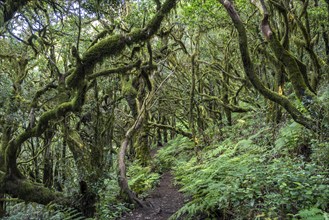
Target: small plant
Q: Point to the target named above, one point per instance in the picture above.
(141, 179)
(109, 207)
(37, 211)
(312, 214)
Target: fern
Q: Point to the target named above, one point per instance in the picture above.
(239, 178)
(141, 178)
(312, 214)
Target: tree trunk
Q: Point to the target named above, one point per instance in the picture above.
(142, 144)
(2, 206)
(123, 181)
(326, 42)
(48, 161)
(30, 192)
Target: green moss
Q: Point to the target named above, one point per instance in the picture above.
(130, 94)
(28, 191)
(127, 87)
(70, 79)
(112, 45)
(294, 73)
(106, 47)
(77, 77)
(142, 147)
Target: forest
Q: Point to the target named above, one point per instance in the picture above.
(164, 109)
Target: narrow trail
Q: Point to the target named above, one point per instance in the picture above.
(165, 200)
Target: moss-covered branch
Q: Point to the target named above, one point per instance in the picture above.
(177, 130)
(232, 108)
(59, 111)
(123, 69)
(293, 67)
(112, 45)
(28, 191)
(250, 72)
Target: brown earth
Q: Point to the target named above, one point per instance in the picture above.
(163, 202)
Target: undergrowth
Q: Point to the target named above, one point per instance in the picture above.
(26, 211)
(268, 174)
(140, 179)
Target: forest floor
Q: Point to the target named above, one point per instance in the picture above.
(162, 202)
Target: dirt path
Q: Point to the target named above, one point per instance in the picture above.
(165, 201)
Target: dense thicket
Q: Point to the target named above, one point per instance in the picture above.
(240, 88)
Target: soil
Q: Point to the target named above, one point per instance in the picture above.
(163, 202)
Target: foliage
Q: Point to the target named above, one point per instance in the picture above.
(292, 139)
(320, 153)
(312, 214)
(178, 149)
(141, 179)
(35, 211)
(242, 179)
(109, 205)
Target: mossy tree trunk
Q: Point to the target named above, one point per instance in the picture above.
(97, 148)
(2, 206)
(279, 74)
(325, 37)
(6, 134)
(142, 145)
(89, 171)
(225, 97)
(35, 172)
(48, 161)
(134, 92)
(290, 63)
(279, 88)
(165, 131)
(325, 34)
(129, 195)
(159, 140)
